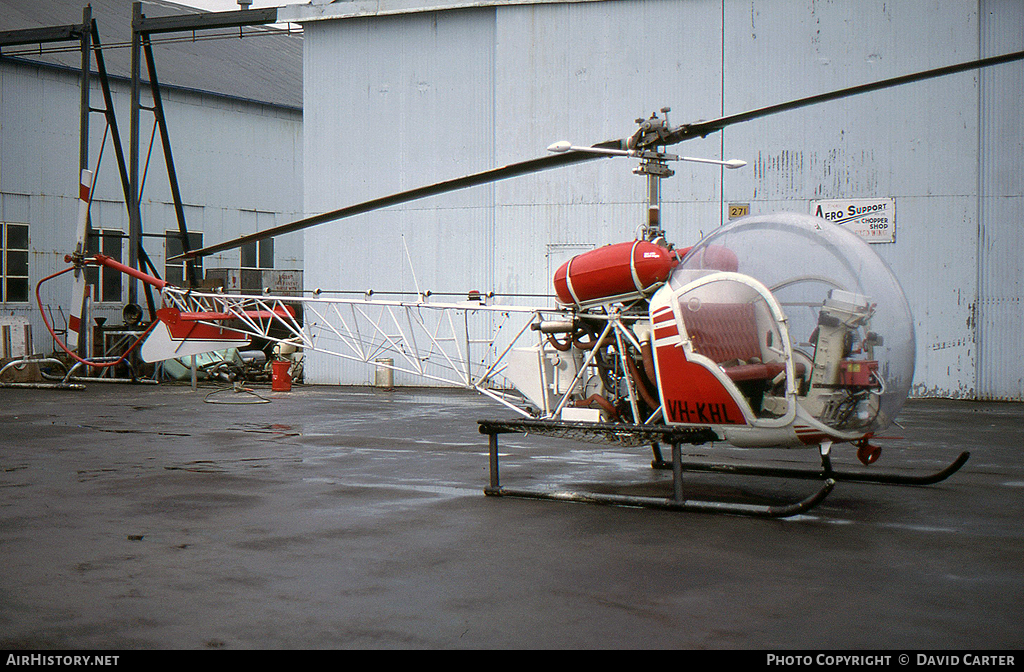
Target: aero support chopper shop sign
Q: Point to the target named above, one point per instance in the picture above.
(873, 219)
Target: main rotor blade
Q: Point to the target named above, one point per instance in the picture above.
(703, 128)
(673, 136)
(484, 177)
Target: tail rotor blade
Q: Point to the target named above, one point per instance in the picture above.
(76, 318)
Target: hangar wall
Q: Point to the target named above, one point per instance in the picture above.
(238, 162)
(398, 101)
(999, 319)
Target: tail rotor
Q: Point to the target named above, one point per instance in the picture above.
(78, 319)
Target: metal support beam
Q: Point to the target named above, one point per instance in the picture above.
(12, 38)
(108, 101)
(142, 28)
(172, 175)
(205, 21)
(134, 211)
(115, 136)
(83, 143)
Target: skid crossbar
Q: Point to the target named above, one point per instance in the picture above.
(633, 435)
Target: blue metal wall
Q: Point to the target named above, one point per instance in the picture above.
(417, 96)
(233, 159)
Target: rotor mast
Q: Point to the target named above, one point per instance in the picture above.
(653, 164)
(648, 144)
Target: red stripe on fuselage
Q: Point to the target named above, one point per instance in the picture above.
(666, 331)
(187, 325)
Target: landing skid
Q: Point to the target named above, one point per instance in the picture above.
(633, 435)
(826, 471)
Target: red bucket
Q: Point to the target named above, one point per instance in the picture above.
(281, 380)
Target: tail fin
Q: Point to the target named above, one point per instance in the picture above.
(78, 298)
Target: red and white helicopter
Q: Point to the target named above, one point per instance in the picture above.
(774, 331)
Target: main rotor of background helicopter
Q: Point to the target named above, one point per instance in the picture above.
(651, 134)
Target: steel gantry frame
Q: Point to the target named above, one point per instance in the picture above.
(87, 35)
(142, 28)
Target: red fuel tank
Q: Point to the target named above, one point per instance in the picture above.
(613, 273)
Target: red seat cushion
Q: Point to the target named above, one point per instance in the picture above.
(754, 371)
(727, 333)
(723, 331)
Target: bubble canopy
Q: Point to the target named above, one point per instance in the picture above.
(809, 264)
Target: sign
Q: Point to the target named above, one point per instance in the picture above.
(283, 282)
(873, 219)
(254, 280)
(737, 210)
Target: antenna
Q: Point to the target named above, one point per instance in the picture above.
(412, 270)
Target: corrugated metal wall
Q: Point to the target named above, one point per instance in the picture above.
(999, 320)
(389, 106)
(400, 102)
(917, 143)
(232, 158)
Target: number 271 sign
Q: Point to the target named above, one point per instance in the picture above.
(873, 219)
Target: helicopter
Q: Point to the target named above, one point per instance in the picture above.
(774, 331)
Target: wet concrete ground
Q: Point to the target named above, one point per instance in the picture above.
(152, 517)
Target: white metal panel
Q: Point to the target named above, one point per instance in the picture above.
(917, 144)
(341, 9)
(392, 104)
(934, 258)
(583, 71)
(521, 78)
(1000, 313)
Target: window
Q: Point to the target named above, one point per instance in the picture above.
(258, 254)
(174, 271)
(106, 283)
(255, 256)
(14, 263)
